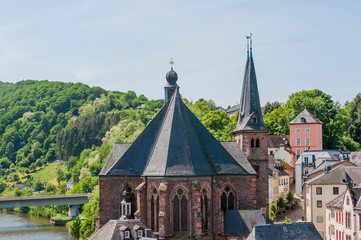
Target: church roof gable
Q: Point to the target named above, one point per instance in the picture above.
(175, 143)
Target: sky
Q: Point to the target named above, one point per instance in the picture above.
(127, 45)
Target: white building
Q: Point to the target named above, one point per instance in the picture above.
(343, 215)
(325, 187)
(308, 161)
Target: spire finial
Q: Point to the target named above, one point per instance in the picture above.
(248, 37)
(171, 63)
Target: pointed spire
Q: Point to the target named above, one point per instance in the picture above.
(250, 113)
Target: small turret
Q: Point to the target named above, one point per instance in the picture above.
(125, 203)
(171, 85)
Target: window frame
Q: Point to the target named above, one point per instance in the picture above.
(319, 203)
(318, 190)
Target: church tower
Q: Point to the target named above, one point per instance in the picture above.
(251, 134)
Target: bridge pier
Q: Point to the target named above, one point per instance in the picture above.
(73, 211)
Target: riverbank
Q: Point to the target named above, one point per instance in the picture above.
(16, 225)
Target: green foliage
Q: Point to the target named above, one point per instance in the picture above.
(60, 175)
(354, 112)
(272, 215)
(287, 220)
(281, 204)
(273, 208)
(3, 186)
(87, 228)
(290, 197)
(75, 228)
(38, 186)
(50, 188)
(269, 107)
(220, 125)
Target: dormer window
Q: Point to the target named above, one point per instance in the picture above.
(126, 234)
(303, 120)
(140, 233)
(254, 120)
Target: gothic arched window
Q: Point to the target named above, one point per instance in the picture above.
(257, 143)
(252, 143)
(228, 199)
(205, 208)
(180, 212)
(154, 210)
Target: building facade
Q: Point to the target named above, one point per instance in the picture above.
(305, 133)
(323, 188)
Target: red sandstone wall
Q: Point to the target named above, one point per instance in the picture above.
(111, 190)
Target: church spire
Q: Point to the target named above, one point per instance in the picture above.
(250, 113)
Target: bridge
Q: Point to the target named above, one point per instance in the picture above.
(72, 200)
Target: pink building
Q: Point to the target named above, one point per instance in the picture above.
(305, 133)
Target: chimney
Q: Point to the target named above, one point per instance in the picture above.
(314, 114)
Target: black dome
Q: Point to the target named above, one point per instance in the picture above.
(172, 76)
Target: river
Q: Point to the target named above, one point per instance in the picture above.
(18, 226)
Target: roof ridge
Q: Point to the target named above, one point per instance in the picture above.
(171, 100)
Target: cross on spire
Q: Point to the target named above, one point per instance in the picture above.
(171, 63)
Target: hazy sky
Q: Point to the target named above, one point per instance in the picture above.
(126, 45)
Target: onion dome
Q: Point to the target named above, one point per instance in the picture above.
(172, 76)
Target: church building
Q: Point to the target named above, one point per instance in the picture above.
(179, 179)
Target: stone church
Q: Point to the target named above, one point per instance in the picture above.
(180, 180)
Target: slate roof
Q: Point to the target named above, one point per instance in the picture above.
(275, 141)
(250, 103)
(356, 158)
(339, 175)
(309, 118)
(175, 143)
(337, 202)
(233, 109)
(241, 222)
(285, 231)
(113, 230)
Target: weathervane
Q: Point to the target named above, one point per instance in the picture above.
(171, 63)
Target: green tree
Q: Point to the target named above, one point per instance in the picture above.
(269, 107)
(272, 215)
(273, 208)
(60, 175)
(39, 186)
(3, 186)
(287, 220)
(75, 228)
(281, 204)
(219, 124)
(290, 197)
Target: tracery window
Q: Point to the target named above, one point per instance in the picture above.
(180, 212)
(228, 199)
(154, 210)
(205, 208)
